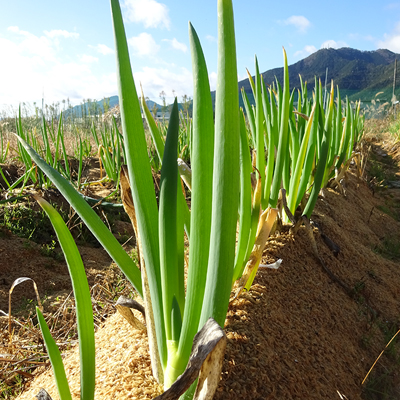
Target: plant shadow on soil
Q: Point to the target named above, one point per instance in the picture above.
(296, 334)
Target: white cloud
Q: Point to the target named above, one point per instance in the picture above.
(391, 41)
(35, 65)
(61, 33)
(87, 59)
(332, 44)
(149, 12)
(309, 49)
(31, 45)
(144, 44)
(156, 80)
(211, 38)
(300, 22)
(44, 46)
(306, 51)
(176, 45)
(14, 29)
(102, 49)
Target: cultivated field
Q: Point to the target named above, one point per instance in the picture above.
(256, 250)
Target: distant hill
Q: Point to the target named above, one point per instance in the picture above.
(97, 106)
(359, 74)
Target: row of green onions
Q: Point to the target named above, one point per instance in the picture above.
(305, 144)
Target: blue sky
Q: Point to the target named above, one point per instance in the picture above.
(66, 49)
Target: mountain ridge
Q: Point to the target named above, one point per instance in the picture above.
(359, 74)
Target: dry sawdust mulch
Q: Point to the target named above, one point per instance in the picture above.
(123, 366)
(296, 334)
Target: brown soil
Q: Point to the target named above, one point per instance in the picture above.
(297, 334)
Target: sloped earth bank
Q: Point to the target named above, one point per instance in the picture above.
(298, 333)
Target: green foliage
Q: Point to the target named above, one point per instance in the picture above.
(26, 222)
(50, 250)
(304, 144)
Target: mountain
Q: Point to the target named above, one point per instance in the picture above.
(359, 74)
(94, 107)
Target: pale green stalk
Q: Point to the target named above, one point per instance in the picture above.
(245, 201)
(45, 136)
(226, 165)
(65, 155)
(154, 131)
(271, 140)
(352, 135)
(338, 126)
(283, 149)
(329, 129)
(295, 179)
(159, 145)
(173, 290)
(319, 174)
(310, 153)
(201, 201)
(140, 175)
(260, 161)
(287, 162)
(250, 115)
(345, 138)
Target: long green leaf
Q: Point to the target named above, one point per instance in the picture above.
(295, 179)
(55, 358)
(172, 273)
(140, 175)
(260, 162)
(310, 154)
(154, 131)
(84, 314)
(159, 145)
(168, 230)
(283, 148)
(319, 174)
(250, 116)
(226, 173)
(245, 200)
(201, 201)
(91, 219)
(270, 139)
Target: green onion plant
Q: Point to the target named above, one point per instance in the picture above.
(177, 314)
